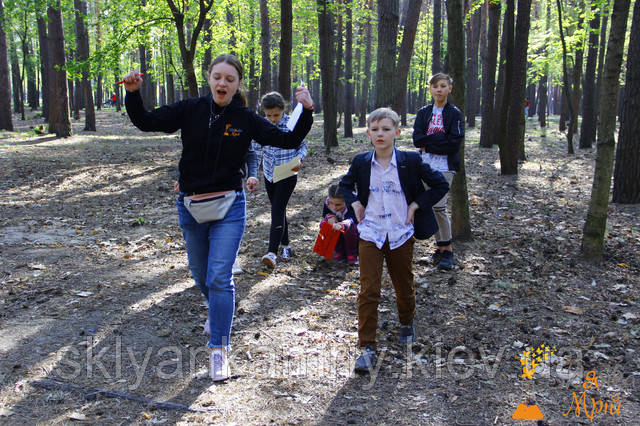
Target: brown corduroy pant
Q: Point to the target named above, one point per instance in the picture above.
(399, 265)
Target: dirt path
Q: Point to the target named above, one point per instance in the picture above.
(94, 292)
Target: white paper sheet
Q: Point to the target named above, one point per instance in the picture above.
(283, 171)
(295, 115)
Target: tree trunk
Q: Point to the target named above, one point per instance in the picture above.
(265, 42)
(473, 34)
(206, 60)
(488, 74)
(602, 48)
(626, 186)
(82, 41)
(596, 222)
(577, 76)
(44, 65)
(589, 117)
(327, 46)
(404, 58)
(32, 91)
(253, 79)
(501, 113)
(286, 45)
(59, 120)
(515, 117)
(542, 101)
(460, 226)
(366, 82)
(6, 121)
(386, 59)
(338, 67)
(15, 75)
(567, 98)
(436, 50)
(348, 74)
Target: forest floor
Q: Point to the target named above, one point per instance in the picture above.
(95, 294)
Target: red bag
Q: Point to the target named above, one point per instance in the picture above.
(327, 240)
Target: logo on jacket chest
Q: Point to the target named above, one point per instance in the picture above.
(230, 131)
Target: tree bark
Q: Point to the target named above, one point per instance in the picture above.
(626, 186)
(327, 52)
(577, 75)
(436, 50)
(388, 18)
(404, 58)
(348, 74)
(366, 81)
(504, 94)
(265, 42)
(589, 118)
(82, 41)
(515, 116)
(59, 120)
(16, 81)
(6, 121)
(489, 73)
(286, 45)
(596, 222)
(206, 60)
(460, 225)
(567, 98)
(473, 35)
(602, 48)
(44, 65)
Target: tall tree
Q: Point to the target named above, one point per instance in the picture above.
(596, 222)
(410, 27)
(286, 45)
(589, 118)
(82, 41)
(602, 52)
(578, 59)
(206, 60)
(44, 64)
(626, 183)
(388, 18)
(6, 122)
(265, 42)
(489, 73)
(348, 72)
(327, 52)
(436, 61)
(366, 81)
(567, 98)
(188, 48)
(460, 225)
(542, 85)
(505, 82)
(59, 120)
(473, 36)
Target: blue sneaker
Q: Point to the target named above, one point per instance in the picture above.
(366, 361)
(446, 261)
(407, 333)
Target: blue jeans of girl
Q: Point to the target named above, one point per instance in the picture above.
(211, 250)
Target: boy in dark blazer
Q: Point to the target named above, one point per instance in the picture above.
(392, 208)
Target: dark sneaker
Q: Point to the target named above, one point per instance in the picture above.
(435, 257)
(446, 261)
(287, 252)
(366, 361)
(407, 333)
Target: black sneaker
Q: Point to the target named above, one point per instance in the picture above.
(287, 252)
(366, 361)
(407, 333)
(435, 257)
(446, 261)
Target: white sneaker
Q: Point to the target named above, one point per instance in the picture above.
(206, 327)
(236, 269)
(269, 259)
(219, 365)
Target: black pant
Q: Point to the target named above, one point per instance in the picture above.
(279, 194)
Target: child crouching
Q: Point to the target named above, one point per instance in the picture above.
(336, 212)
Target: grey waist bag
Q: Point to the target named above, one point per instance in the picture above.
(210, 209)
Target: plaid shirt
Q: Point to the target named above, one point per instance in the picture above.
(272, 156)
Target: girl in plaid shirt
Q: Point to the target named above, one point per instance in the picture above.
(273, 105)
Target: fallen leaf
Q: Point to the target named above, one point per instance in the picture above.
(264, 274)
(146, 415)
(623, 265)
(573, 310)
(77, 416)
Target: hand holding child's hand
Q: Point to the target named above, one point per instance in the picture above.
(358, 209)
(411, 212)
(332, 220)
(252, 184)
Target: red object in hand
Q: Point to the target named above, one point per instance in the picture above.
(327, 240)
(122, 81)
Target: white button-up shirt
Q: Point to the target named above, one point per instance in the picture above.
(386, 211)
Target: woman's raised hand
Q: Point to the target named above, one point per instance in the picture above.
(132, 81)
(304, 97)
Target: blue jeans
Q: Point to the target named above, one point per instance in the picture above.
(211, 249)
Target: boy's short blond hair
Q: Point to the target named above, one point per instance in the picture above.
(440, 76)
(382, 113)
